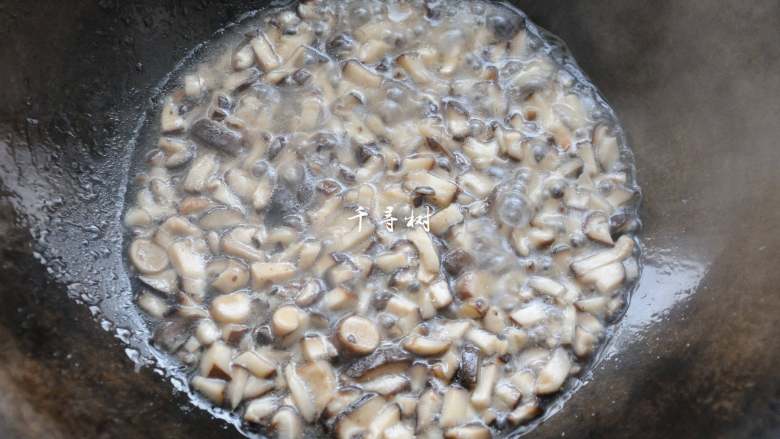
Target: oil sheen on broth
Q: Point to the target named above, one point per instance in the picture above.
(385, 220)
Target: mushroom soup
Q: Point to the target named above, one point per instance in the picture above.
(403, 219)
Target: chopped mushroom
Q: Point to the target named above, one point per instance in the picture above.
(287, 424)
(553, 374)
(170, 121)
(264, 272)
(427, 409)
(258, 410)
(470, 431)
(231, 279)
(166, 281)
(358, 335)
(426, 346)
(215, 362)
(231, 308)
(153, 305)
(286, 320)
(343, 224)
(258, 364)
(148, 257)
(429, 258)
(213, 389)
(454, 407)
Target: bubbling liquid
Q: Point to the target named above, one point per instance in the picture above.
(383, 219)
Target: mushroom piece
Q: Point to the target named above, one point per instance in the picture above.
(358, 335)
(469, 365)
(321, 381)
(287, 424)
(398, 431)
(231, 279)
(412, 63)
(317, 347)
(199, 173)
(338, 299)
(187, 258)
(377, 359)
(148, 257)
(260, 365)
(606, 278)
(554, 373)
(483, 392)
(457, 120)
(387, 385)
(454, 407)
(358, 416)
(595, 305)
(547, 286)
(153, 305)
(231, 308)
(622, 250)
(442, 220)
(443, 190)
(286, 320)
(170, 121)
(596, 227)
(389, 262)
(447, 366)
(372, 51)
(426, 346)
(389, 415)
(166, 281)
(264, 52)
(234, 392)
(213, 389)
(308, 294)
(215, 362)
(469, 431)
(606, 147)
(360, 75)
(488, 343)
(482, 154)
(258, 410)
(494, 320)
(193, 85)
(243, 58)
(216, 135)
(264, 272)
(221, 218)
(477, 184)
(256, 387)
(524, 412)
(439, 293)
(300, 393)
(427, 409)
(456, 260)
(429, 258)
(207, 332)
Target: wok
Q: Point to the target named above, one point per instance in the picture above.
(694, 82)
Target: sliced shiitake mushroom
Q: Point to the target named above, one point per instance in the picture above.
(461, 320)
(147, 256)
(358, 335)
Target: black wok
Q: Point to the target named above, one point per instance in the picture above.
(695, 83)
